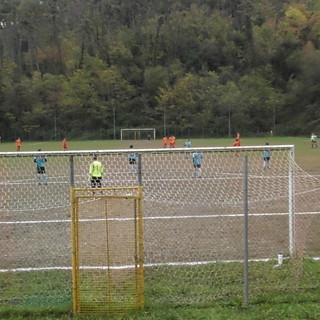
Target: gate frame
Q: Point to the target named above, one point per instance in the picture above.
(138, 235)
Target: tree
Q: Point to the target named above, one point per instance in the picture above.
(96, 94)
(49, 91)
(258, 98)
(230, 97)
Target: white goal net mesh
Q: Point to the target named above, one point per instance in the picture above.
(193, 227)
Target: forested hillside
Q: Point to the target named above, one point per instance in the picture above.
(86, 68)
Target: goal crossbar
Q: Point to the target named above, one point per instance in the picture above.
(138, 130)
(141, 150)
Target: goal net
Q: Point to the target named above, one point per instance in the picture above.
(138, 134)
(193, 227)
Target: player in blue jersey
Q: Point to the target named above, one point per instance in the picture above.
(266, 158)
(40, 161)
(132, 160)
(197, 161)
(187, 144)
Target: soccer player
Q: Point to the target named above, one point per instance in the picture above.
(95, 172)
(314, 139)
(197, 161)
(164, 142)
(132, 160)
(237, 144)
(64, 144)
(172, 141)
(40, 161)
(187, 144)
(18, 144)
(266, 158)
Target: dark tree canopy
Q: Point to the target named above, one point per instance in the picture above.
(85, 68)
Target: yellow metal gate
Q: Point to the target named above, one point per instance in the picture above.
(107, 250)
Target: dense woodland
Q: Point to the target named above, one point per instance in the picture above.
(192, 68)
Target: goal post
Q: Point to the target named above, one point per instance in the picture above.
(138, 134)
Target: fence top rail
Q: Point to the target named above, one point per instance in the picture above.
(164, 150)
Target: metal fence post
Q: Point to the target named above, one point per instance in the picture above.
(139, 169)
(245, 229)
(71, 163)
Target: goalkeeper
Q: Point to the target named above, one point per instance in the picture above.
(187, 144)
(40, 161)
(197, 160)
(132, 160)
(95, 172)
(266, 158)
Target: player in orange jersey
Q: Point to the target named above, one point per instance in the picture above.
(64, 144)
(18, 144)
(237, 144)
(164, 142)
(172, 141)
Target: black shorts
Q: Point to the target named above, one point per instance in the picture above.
(96, 182)
(132, 161)
(41, 170)
(197, 165)
(266, 158)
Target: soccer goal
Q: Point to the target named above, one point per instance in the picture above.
(138, 134)
(193, 232)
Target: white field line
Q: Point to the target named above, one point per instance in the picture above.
(239, 215)
(146, 265)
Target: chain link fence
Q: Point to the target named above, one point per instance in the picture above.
(193, 224)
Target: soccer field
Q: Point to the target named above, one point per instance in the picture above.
(188, 223)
